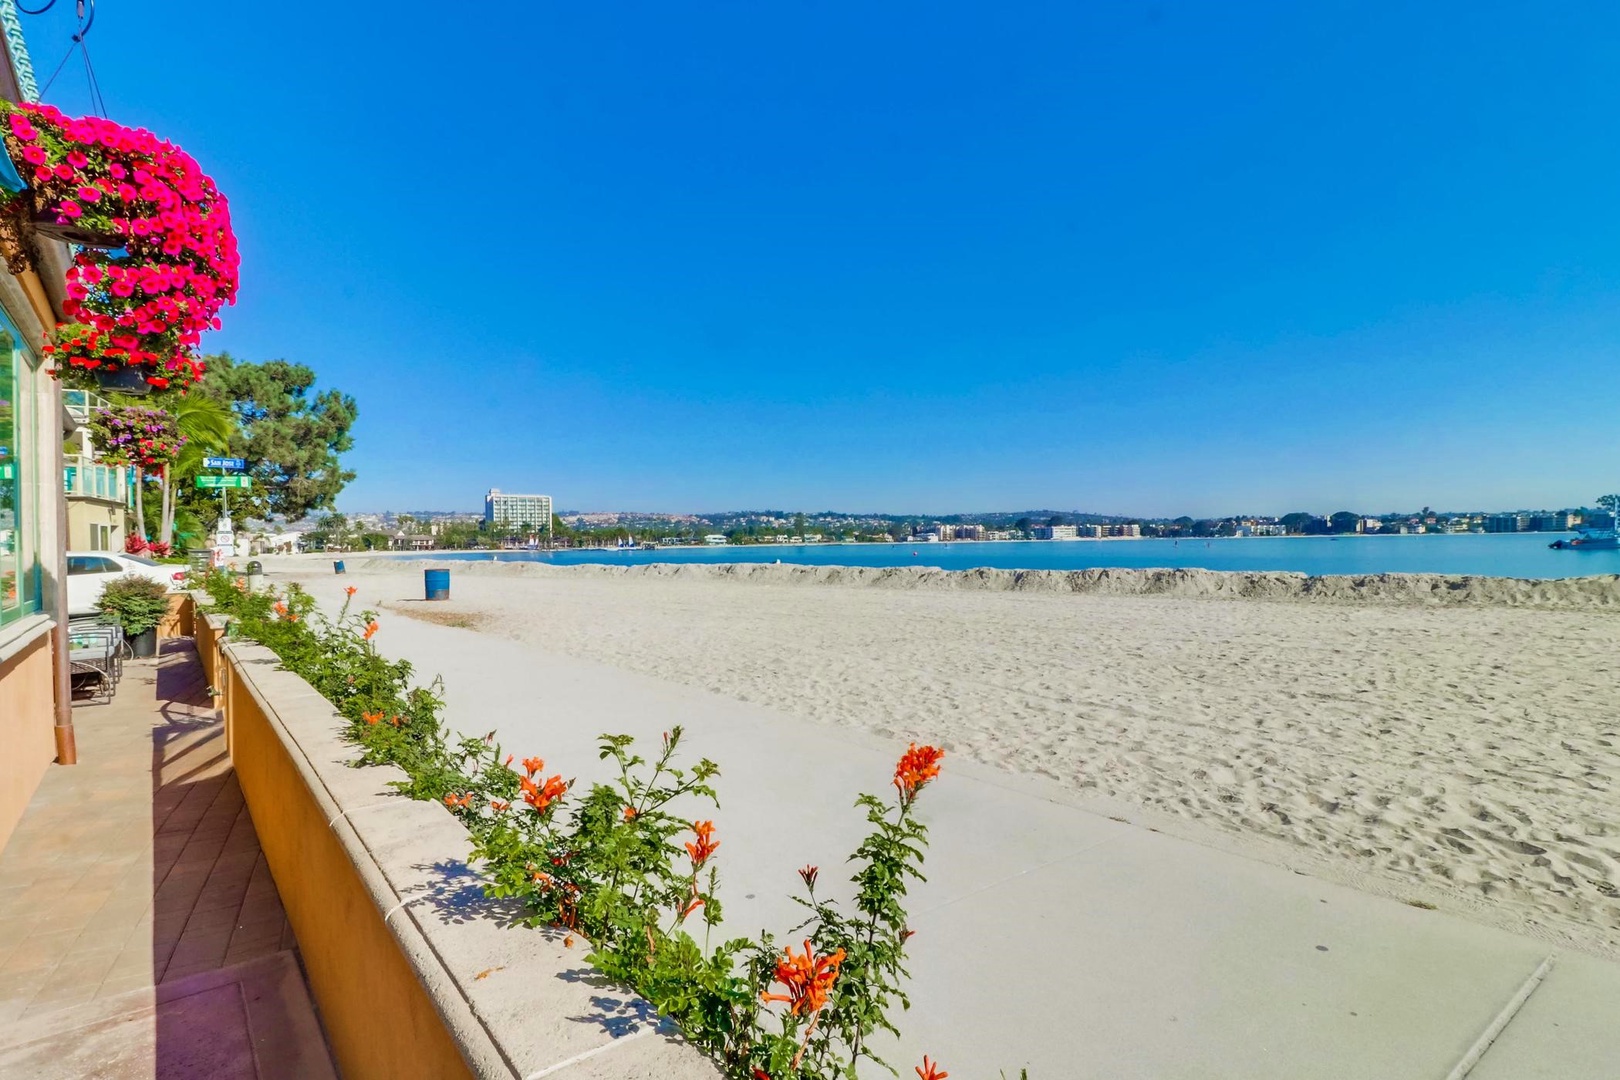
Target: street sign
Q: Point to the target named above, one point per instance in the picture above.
(231, 464)
(224, 481)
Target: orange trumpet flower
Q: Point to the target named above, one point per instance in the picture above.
(918, 765)
(705, 845)
(541, 796)
(930, 1070)
(371, 628)
(808, 979)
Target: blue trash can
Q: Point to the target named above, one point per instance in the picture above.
(437, 584)
(337, 566)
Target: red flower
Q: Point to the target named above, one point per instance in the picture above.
(808, 874)
(928, 1070)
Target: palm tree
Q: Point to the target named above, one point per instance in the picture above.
(208, 426)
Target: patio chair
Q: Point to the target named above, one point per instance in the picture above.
(99, 624)
(93, 656)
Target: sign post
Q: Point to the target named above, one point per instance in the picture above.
(224, 535)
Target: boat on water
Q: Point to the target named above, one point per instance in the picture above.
(1589, 540)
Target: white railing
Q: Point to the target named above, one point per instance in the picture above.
(92, 480)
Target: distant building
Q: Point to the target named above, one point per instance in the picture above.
(1556, 522)
(1124, 531)
(1056, 532)
(533, 511)
(1507, 523)
(716, 538)
(969, 532)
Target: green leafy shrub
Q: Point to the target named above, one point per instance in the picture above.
(135, 603)
(626, 865)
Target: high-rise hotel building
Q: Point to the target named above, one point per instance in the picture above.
(533, 511)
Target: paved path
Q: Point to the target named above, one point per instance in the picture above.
(1052, 937)
(140, 932)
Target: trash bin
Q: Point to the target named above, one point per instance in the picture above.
(255, 567)
(437, 584)
(337, 566)
(255, 576)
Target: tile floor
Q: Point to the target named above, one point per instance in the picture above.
(138, 867)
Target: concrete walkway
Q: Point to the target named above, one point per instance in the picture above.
(1050, 936)
(140, 932)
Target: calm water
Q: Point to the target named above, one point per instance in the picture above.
(1512, 555)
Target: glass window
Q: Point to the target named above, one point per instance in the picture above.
(19, 558)
(82, 564)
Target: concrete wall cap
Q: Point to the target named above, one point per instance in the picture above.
(517, 1000)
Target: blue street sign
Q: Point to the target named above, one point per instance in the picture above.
(233, 464)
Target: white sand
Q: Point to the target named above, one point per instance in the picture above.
(1459, 745)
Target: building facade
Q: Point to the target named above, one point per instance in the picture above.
(35, 713)
(1056, 532)
(98, 494)
(532, 512)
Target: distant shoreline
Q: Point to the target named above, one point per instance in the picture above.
(1593, 593)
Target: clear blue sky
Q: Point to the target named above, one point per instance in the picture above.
(1133, 257)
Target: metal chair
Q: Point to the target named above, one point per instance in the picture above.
(93, 652)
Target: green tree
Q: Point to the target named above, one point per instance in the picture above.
(1298, 522)
(290, 435)
(208, 426)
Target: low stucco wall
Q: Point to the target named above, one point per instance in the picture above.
(27, 716)
(180, 621)
(415, 973)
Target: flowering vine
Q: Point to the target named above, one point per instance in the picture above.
(160, 258)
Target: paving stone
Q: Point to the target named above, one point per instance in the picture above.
(113, 894)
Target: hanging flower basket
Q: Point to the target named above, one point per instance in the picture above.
(126, 380)
(158, 258)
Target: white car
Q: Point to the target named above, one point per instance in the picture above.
(89, 571)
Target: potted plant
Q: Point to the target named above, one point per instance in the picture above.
(137, 604)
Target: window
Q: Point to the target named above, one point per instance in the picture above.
(19, 547)
(92, 564)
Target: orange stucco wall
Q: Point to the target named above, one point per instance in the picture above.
(378, 1018)
(179, 622)
(27, 715)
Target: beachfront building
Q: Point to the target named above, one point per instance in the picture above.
(1506, 523)
(529, 512)
(36, 718)
(1056, 532)
(98, 494)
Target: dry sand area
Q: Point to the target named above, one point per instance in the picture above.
(1445, 743)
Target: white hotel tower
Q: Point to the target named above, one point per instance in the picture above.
(533, 511)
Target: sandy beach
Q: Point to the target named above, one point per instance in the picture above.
(1455, 752)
